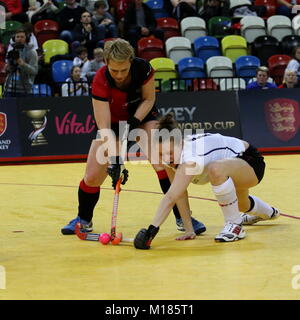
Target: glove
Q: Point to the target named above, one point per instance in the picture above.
(133, 123)
(144, 237)
(116, 169)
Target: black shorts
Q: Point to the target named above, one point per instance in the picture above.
(254, 158)
(152, 115)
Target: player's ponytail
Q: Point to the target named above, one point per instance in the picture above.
(167, 122)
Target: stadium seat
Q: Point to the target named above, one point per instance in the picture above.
(277, 64)
(234, 47)
(10, 28)
(178, 48)
(54, 47)
(234, 4)
(164, 68)
(204, 84)
(173, 85)
(2, 52)
(245, 66)
(46, 30)
(157, 7)
(2, 72)
(296, 25)
(150, 48)
(232, 84)
(169, 26)
(191, 68)
(279, 26)
(193, 28)
(219, 26)
(270, 6)
(264, 47)
(252, 27)
(219, 67)
(41, 89)
(206, 47)
(288, 43)
(61, 70)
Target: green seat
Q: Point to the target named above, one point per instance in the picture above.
(54, 47)
(234, 47)
(164, 68)
(10, 29)
(219, 26)
(173, 85)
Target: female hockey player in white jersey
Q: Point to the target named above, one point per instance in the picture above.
(231, 165)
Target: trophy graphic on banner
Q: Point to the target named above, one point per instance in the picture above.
(39, 122)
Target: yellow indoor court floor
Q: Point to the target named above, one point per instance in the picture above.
(38, 262)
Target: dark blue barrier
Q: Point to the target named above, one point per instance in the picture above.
(270, 119)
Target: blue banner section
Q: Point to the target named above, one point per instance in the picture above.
(9, 129)
(271, 118)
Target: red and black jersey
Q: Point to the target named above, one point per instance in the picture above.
(123, 103)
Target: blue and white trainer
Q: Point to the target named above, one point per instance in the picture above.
(198, 226)
(70, 227)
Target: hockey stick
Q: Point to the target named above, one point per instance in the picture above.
(93, 236)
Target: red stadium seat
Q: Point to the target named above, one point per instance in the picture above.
(204, 84)
(2, 72)
(270, 5)
(169, 26)
(2, 52)
(277, 64)
(46, 30)
(150, 48)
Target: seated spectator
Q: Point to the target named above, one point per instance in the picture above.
(289, 80)
(40, 9)
(75, 85)
(27, 27)
(183, 9)
(285, 8)
(81, 57)
(87, 34)
(14, 10)
(213, 8)
(89, 5)
(104, 20)
(68, 18)
(294, 63)
(90, 67)
(262, 76)
(139, 22)
(22, 67)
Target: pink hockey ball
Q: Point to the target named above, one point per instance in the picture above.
(104, 238)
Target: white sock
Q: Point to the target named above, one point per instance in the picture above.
(261, 208)
(227, 199)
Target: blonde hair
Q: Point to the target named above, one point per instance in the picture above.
(118, 50)
(98, 51)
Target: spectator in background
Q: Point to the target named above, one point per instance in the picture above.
(68, 18)
(81, 57)
(22, 67)
(289, 80)
(90, 67)
(87, 34)
(294, 63)
(27, 27)
(104, 21)
(213, 8)
(262, 76)
(89, 5)
(41, 10)
(75, 85)
(183, 9)
(14, 10)
(285, 7)
(139, 22)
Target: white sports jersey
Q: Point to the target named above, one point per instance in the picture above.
(203, 149)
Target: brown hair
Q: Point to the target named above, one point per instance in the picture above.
(167, 122)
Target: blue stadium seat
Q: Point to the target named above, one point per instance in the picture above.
(245, 66)
(61, 70)
(206, 47)
(191, 67)
(41, 89)
(157, 7)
